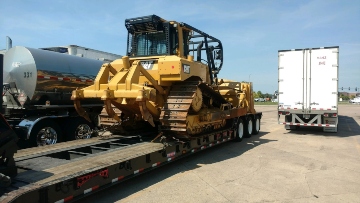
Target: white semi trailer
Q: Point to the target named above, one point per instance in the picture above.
(308, 88)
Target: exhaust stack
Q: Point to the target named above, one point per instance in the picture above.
(8, 43)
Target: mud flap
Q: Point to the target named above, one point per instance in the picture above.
(331, 121)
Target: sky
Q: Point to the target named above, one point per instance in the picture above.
(251, 31)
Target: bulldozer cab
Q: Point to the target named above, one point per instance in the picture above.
(152, 36)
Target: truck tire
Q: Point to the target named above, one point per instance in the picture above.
(248, 128)
(256, 126)
(45, 132)
(78, 128)
(239, 131)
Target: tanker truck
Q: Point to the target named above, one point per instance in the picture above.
(37, 86)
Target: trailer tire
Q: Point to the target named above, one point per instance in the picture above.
(248, 129)
(45, 132)
(256, 125)
(239, 131)
(78, 128)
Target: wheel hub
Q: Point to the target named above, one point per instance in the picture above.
(83, 131)
(250, 126)
(241, 131)
(197, 101)
(46, 136)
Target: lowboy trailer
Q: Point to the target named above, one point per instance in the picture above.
(68, 171)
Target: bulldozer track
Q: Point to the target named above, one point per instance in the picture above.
(174, 113)
(178, 106)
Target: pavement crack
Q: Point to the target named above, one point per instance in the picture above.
(307, 183)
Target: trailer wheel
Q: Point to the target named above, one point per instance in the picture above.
(78, 128)
(256, 126)
(248, 127)
(239, 131)
(45, 132)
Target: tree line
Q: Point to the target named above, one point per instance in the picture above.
(259, 94)
(344, 97)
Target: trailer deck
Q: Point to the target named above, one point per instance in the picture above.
(68, 171)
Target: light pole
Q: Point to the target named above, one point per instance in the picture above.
(249, 77)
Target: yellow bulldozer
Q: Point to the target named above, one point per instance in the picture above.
(168, 81)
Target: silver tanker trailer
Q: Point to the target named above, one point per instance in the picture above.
(37, 86)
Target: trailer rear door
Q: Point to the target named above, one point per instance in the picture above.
(291, 83)
(322, 69)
